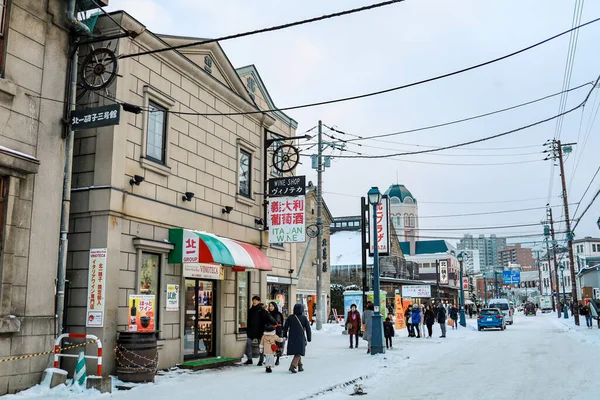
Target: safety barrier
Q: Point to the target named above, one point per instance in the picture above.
(78, 336)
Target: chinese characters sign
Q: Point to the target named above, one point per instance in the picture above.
(400, 321)
(465, 283)
(96, 288)
(444, 272)
(95, 117)
(416, 291)
(141, 313)
(289, 186)
(187, 246)
(286, 220)
(172, 297)
(383, 228)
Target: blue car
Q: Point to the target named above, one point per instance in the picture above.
(490, 318)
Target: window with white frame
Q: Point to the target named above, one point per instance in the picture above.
(245, 173)
(155, 130)
(243, 294)
(272, 149)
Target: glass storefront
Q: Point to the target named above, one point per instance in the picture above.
(199, 335)
(280, 294)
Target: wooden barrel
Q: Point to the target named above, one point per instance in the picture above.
(137, 356)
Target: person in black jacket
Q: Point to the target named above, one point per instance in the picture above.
(278, 318)
(258, 318)
(297, 330)
(388, 332)
(429, 319)
(454, 316)
(441, 317)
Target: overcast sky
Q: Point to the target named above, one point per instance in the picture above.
(407, 42)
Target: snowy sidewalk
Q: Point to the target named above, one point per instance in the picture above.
(329, 366)
(581, 332)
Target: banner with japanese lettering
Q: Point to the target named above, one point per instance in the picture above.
(287, 219)
(400, 321)
(383, 228)
(187, 246)
(96, 288)
(172, 297)
(444, 272)
(141, 312)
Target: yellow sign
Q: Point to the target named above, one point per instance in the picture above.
(141, 313)
(400, 321)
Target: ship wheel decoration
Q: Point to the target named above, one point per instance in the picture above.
(285, 158)
(99, 69)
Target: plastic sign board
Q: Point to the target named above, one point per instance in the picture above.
(287, 219)
(465, 283)
(187, 246)
(416, 291)
(204, 271)
(95, 117)
(96, 288)
(172, 297)
(382, 228)
(511, 277)
(443, 272)
(141, 312)
(288, 186)
(400, 321)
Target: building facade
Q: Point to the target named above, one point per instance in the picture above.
(174, 194)
(404, 212)
(515, 254)
(488, 249)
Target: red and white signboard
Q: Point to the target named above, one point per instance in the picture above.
(287, 219)
(465, 283)
(191, 247)
(96, 288)
(416, 291)
(383, 228)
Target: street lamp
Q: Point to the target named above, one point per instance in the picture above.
(463, 320)
(374, 196)
(562, 274)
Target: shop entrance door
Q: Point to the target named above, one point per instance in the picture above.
(200, 307)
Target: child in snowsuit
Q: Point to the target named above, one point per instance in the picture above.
(268, 346)
(388, 332)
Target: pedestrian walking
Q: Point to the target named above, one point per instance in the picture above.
(258, 319)
(416, 320)
(585, 311)
(429, 317)
(470, 311)
(367, 326)
(408, 317)
(441, 318)
(277, 316)
(454, 316)
(353, 325)
(297, 332)
(422, 323)
(388, 332)
(269, 345)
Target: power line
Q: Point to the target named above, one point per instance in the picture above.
(264, 30)
(486, 212)
(481, 227)
(454, 202)
(510, 236)
(586, 190)
(358, 137)
(586, 209)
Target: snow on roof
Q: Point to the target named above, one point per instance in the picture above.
(346, 248)
(17, 153)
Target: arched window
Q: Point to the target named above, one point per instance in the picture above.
(406, 220)
(395, 200)
(412, 220)
(409, 200)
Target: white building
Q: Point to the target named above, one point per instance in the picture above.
(404, 212)
(472, 261)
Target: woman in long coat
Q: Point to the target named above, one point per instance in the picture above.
(353, 324)
(278, 317)
(294, 330)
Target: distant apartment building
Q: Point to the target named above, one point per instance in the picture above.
(515, 254)
(487, 246)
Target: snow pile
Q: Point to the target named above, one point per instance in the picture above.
(330, 329)
(581, 332)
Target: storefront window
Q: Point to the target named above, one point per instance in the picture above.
(280, 295)
(242, 300)
(149, 273)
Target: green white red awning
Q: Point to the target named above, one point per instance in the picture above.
(201, 247)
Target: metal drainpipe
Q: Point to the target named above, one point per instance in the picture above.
(68, 169)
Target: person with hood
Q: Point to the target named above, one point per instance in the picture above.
(416, 320)
(258, 318)
(441, 318)
(388, 332)
(368, 324)
(353, 325)
(407, 316)
(429, 319)
(454, 316)
(278, 318)
(297, 331)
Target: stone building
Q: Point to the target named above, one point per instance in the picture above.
(34, 43)
(174, 195)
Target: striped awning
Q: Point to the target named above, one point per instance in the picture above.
(202, 247)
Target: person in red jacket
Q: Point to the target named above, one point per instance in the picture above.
(353, 324)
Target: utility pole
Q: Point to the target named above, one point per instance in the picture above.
(547, 239)
(555, 261)
(537, 254)
(364, 209)
(558, 148)
(320, 305)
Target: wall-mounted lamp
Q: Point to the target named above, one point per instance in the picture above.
(259, 221)
(188, 196)
(227, 210)
(136, 180)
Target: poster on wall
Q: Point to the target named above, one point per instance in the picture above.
(352, 297)
(383, 228)
(382, 306)
(96, 288)
(444, 272)
(141, 312)
(286, 219)
(172, 297)
(400, 320)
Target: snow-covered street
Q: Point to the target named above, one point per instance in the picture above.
(536, 358)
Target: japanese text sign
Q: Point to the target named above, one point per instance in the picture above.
(172, 297)
(465, 283)
(187, 246)
(400, 321)
(286, 220)
(96, 117)
(141, 313)
(444, 272)
(416, 291)
(511, 277)
(288, 186)
(96, 288)
(382, 227)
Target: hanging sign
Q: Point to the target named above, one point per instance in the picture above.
(288, 186)
(172, 297)
(400, 321)
(204, 271)
(418, 291)
(96, 288)
(465, 283)
(141, 312)
(444, 272)
(95, 117)
(382, 228)
(286, 220)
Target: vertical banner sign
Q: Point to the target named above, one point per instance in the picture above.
(172, 297)
(443, 272)
(96, 288)
(286, 220)
(141, 313)
(191, 247)
(400, 321)
(382, 226)
(465, 283)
